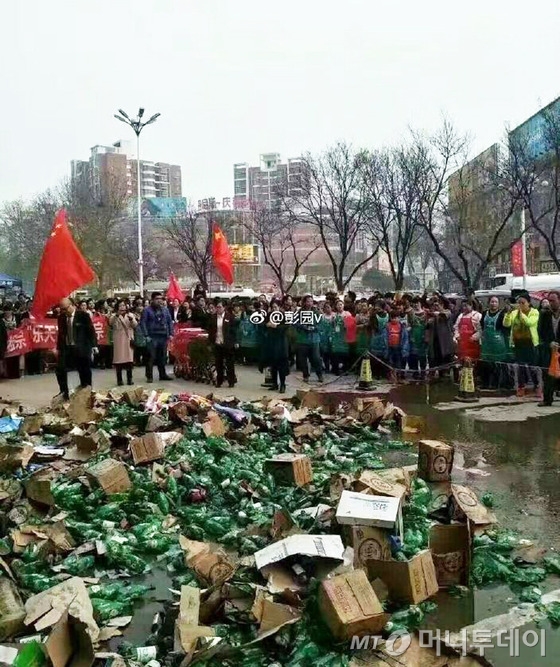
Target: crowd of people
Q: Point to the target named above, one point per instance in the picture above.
(509, 344)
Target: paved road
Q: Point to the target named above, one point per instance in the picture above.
(38, 390)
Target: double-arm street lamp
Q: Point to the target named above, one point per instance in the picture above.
(137, 125)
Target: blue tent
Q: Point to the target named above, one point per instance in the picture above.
(8, 281)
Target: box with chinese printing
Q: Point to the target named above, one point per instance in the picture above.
(451, 550)
(361, 509)
(409, 581)
(350, 607)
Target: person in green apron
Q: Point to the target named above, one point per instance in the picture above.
(247, 337)
(378, 343)
(523, 322)
(338, 338)
(495, 351)
(325, 337)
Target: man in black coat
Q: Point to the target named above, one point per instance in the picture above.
(549, 338)
(76, 345)
(222, 335)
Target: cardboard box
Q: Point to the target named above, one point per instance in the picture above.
(439, 503)
(187, 628)
(361, 509)
(316, 546)
(12, 611)
(149, 447)
(369, 543)
(465, 505)
(112, 476)
(349, 606)
(290, 469)
(435, 460)
(38, 488)
(408, 581)
(209, 562)
(451, 552)
(371, 482)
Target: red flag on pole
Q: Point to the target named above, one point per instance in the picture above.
(517, 258)
(63, 268)
(221, 255)
(174, 290)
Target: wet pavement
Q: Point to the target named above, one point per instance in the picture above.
(519, 462)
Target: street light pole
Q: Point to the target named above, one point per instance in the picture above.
(137, 125)
(524, 247)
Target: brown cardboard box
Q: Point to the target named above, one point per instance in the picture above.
(451, 552)
(12, 611)
(68, 644)
(187, 628)
(465, 505)
(435, 460)
(369, 543)
(408, 581)
(441, 493)
(209, 562)
(38, 488)
(290, 469)
(112, 476)
(213, 425)
(370, 482)
(149, 447)
(349, 606)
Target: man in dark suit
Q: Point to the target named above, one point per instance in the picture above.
(549, 338)
(222, 335)
(76, 345)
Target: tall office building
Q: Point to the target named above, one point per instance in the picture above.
(259, 184)
(116, 166)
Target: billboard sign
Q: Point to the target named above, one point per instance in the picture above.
(160, 207)
(533, 136)
(245, 253)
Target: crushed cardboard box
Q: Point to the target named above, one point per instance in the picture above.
(210, 562)
(465, 505)
(349, 606)
(316, 546)
(410, 581)
(148, 448)
(12, 611)
(451, 551)
(371, 482)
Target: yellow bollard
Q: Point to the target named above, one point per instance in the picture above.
(467, 389)
(366, 378)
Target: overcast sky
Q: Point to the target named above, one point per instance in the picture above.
(236, 78)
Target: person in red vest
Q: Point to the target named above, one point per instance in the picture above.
(467, 332)
(398, 342)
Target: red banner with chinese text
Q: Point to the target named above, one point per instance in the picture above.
(44, 333)
(19, 342)
(101, 327)
(517, 258)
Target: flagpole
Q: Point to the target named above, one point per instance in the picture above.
(137, 125)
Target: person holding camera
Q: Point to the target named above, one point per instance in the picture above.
(123, 324)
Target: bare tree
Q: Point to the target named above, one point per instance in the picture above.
(97, 225)
(535, 165)
(331, 198)
(285, 249)
(24, 229)
(191, 235)
(392, 179)
(466, 208)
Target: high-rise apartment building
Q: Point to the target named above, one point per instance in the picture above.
(116, 166)
(260, 184)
